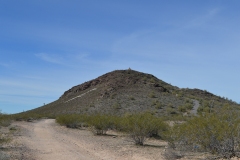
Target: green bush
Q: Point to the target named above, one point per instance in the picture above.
(4, 138)
(138, 126)
(185, 108)
(217, 133)
(73, 120)
(171, 111)
(159, 106)
(101, 123)
(152, 95)
(29, 116)
(182, 109)
(142, 125)
(189, 106)
(116, 106)
(5, 120)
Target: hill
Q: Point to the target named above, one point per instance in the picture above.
(128, 91)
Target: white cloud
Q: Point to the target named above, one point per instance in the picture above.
(50, 58)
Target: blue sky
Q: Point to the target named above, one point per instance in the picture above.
(46, 47)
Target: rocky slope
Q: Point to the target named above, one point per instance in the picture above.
(128, 91)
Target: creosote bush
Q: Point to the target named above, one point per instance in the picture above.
(217, 133)
(138, 126)
(4, 138)
(29, 116)
(100, 124)
(143, 125)
(152, 95)
(73, 120)
(5, 121)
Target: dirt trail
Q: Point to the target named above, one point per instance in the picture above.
(195, 107)
(46, 144)
(46, 140)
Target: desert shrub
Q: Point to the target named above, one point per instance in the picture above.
(100, 123)
(158, 106)
(91, 105)
(203, 109)
(30, 116)
(217, 133)
(170, 105)
(186, 107)
(208, 106)
(4, 138)
(182, 109)
(5, 120)
(170, 110)
(187, 100)
(12, 129)
(153, 80)
(144, 79)
(73, 120)
(116, 123)
(176, 118)
(152, 95)
(131, 98)
(189, 106)
(141, 126)
(116, 106)
(70, 121)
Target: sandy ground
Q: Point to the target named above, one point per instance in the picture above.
(46, 140)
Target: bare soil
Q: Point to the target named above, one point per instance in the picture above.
(46, 140)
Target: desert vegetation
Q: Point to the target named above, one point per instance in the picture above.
(138, 126)
(216, 133)
(5, 121)
(143, 125)
(5, 135)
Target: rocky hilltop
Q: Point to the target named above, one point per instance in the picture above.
(126, 91)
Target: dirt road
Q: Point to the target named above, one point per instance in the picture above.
(46, 143)
(46, 140)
